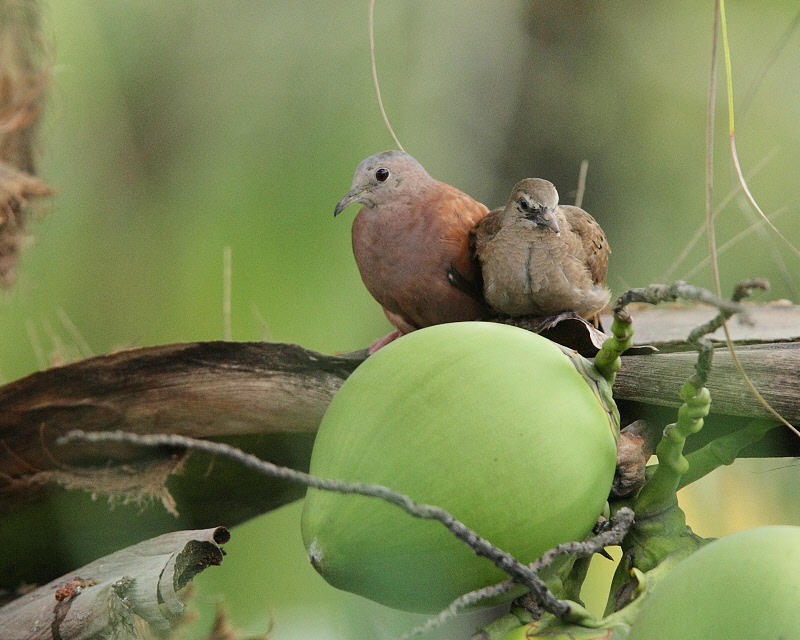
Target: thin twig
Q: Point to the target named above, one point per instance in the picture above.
(770, 60)
(734, 241)
(756, 393)
(720, 4)
(712, 97)
(581, 183)
(769, 241)
(458, 606)
(505, 561)
(717, 210)
(226, 292)
(612, 536)
(703, 345)
(83, 346)
(59, 354)
(658, 293)
(36, 345)
(719, 21)
(375, 75)
(263, 327)
(746, 189)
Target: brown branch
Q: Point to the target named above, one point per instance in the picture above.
(773, 368)
(205, 389)
(224, 389)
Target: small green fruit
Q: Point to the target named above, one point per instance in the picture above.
(744, 586)
(490, 422)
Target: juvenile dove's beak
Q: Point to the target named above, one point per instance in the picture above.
(548, 219)
(352, 196)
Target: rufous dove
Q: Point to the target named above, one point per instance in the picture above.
(410, 231)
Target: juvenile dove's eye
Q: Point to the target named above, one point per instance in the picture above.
(523, 204)
(382, 174)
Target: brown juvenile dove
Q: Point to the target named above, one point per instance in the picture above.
(542, 259)
(410, 232)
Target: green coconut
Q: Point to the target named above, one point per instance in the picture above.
(744, 586)
(490, 422)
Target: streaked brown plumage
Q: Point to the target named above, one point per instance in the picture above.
(411, 230)
(542, 259)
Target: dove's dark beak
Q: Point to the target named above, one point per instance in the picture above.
(354, 195)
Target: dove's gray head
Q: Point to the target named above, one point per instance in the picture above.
(535, 199)
(384, 177)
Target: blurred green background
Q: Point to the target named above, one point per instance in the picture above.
(175, 129)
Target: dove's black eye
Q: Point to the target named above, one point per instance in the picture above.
(382, 174)
(523, 204)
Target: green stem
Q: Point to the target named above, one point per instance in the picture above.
(723, 450)
(660, 529)
(659, 491)
(607, 360)
(502, 626)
